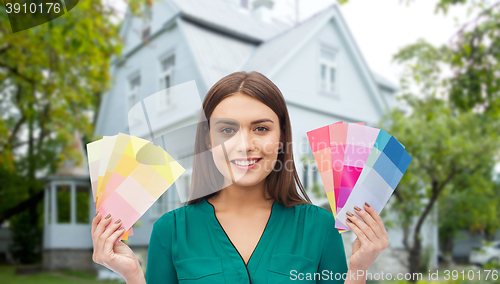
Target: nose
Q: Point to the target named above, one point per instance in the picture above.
(245, 142)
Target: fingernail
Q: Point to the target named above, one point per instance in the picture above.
(121, 228)
(349, 220)
(96, 213)
(357, 208)
(107, 217)
(367, 205)
(349, 214)
(118, 221)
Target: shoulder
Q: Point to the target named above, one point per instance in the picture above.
(310, 215)
(182, 213)
(314, 211)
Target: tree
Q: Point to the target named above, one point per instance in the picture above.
(52, 78)
(451, 129)
(453, 156)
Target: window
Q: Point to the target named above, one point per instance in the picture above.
(134, 85)
(63, 204)
(146, 32)
(82, 204)
(167, 65)
(328, 70)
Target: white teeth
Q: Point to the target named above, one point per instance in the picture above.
(245, 163)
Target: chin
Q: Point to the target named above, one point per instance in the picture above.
(247, 181)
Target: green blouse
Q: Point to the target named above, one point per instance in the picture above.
(299, 243)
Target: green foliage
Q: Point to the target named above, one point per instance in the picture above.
(475, 61)
(26, 247)
(453, 155)
(472, 55)
(52, 78)
(451, 129)
(426, 256)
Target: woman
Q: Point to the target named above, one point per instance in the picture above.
(246, 221)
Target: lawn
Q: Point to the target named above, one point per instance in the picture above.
(8, 276)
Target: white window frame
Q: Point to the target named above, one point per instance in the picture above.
(165, 98)
(133, 94)
(325, 84)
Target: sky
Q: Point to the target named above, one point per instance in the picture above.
(379, 27)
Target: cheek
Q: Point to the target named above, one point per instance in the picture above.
(220, 160)
(271, 148)
(270, 145)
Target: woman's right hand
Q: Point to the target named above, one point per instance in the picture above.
(117, 257)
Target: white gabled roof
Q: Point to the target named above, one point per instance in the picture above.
(220, 15)
(215, 54)
(276, 50)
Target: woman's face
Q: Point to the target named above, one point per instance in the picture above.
(248, 132)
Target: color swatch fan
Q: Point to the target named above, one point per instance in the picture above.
(128, 175)
(357, 164)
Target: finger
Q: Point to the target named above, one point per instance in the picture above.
(110, 242)
(370, 222)
(99, 230)
(95, 222)
(101, 225)
(362, 226)
(370, 210)
(357, 231)
(107, 233)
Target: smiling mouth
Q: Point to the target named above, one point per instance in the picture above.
(245, 163)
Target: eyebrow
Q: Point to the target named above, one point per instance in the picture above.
(262, 120)
(230, 122)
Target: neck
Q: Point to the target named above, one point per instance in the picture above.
(237, 198)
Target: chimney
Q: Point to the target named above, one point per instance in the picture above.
(262, 9)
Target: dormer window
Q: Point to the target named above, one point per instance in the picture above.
(146, 32)
(328, 70)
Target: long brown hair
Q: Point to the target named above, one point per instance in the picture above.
(280, 184)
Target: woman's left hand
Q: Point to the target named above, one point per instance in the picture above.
(372, 238)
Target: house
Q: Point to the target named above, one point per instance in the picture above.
(316, 64)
